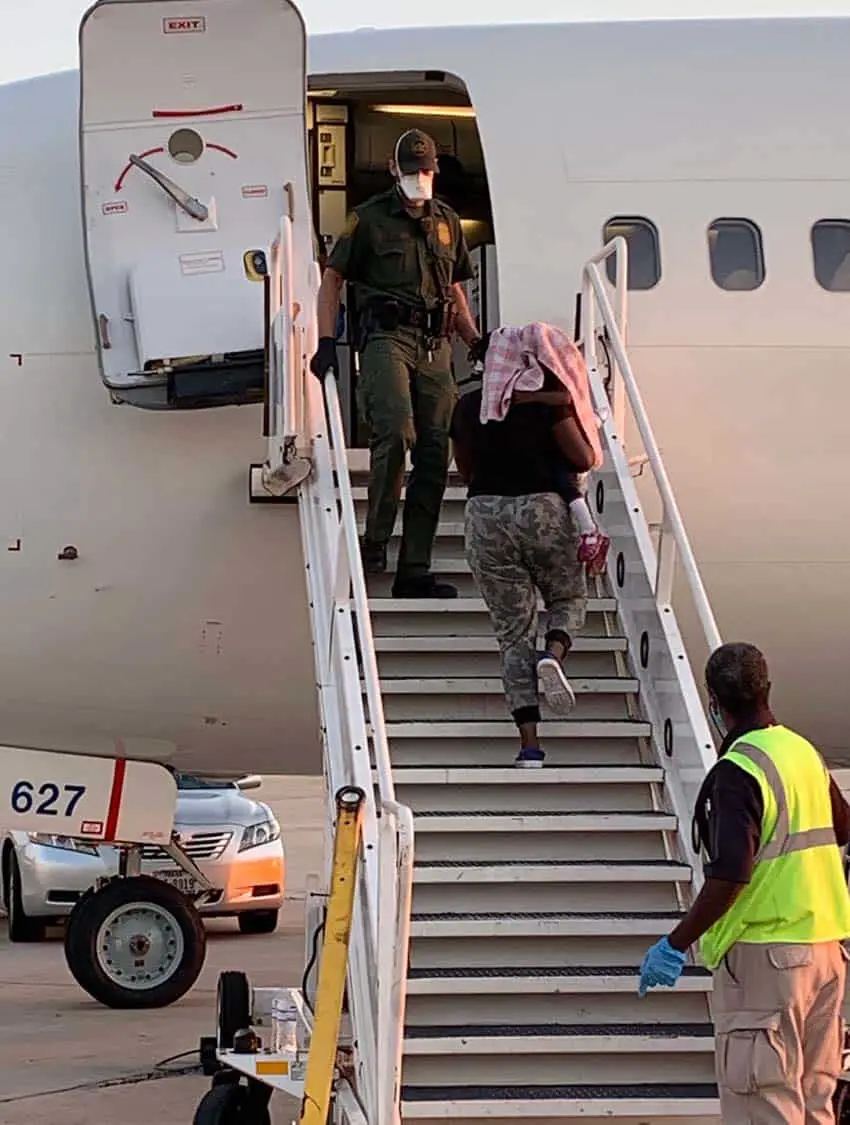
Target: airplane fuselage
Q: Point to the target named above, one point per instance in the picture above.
(181, 618)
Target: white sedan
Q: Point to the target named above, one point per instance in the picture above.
(234, 840)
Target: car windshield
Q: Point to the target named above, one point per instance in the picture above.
(189, 781)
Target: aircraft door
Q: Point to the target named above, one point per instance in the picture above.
(192, 145)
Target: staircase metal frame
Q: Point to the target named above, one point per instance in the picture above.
(307, 417)
(642, 573)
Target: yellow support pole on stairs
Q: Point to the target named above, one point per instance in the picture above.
(321, 1060)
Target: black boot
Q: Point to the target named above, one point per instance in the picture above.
(374, 556)
(422, 586)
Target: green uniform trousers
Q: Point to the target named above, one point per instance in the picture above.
(407, 400)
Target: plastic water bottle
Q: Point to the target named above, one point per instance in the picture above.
(284, 1025)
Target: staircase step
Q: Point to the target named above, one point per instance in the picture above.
(478, 700)
(454, 494)
(446, 528)
(449, 791)
(486, 731)
(496, 820)
(498, 750)
(525, 980)
(479, 886)
(647, 1102)
(614, 686)
(456, 872)
(485, 642)
(462, 605)
(471, 1039)
(441, 657)
(555, 775)
(506, 924)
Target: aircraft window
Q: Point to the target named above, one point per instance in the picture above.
(185, 146)
(644, 252)
(736, 254)
(831, 250)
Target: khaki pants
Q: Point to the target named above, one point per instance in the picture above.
(777, 1015)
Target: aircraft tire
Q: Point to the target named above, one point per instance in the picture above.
(135, 943)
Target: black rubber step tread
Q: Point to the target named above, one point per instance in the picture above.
(449, 863)
(675, 1091)
(458, 916)
(566, 1030)
(484, 813)
(478, 973)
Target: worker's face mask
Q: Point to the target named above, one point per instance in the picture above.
(418, 187)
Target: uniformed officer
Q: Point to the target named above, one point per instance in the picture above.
(405, 254)
(773, 910)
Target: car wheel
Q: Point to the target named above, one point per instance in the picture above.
(229, 1105)
(233, 1005)
(258, 921)
(135, 943)
(22, 928)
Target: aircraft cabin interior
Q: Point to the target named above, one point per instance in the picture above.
(354, 122)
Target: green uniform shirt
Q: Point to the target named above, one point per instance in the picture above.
(386, 252)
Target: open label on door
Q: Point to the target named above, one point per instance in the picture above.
(182, 105)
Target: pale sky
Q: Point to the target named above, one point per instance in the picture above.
(40, 36)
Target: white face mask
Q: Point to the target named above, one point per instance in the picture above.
(417, 187)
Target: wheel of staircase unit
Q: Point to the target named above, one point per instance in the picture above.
(22, 927)
(621, 570)
(135, 943)
(258, 921)
(230, 1104)
(233, 1006)
(600, 497)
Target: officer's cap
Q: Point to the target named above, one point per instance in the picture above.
(415, 151)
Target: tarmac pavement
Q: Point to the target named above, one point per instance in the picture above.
(53, 1036)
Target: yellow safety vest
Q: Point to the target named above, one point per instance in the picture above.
(797, 892)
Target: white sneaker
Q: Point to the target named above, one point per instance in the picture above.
(555, 686)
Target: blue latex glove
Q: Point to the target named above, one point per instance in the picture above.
(662, 965)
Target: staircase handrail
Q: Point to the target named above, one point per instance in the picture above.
(301, 409)
(674, 538)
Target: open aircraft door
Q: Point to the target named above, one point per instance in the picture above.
(192, 147)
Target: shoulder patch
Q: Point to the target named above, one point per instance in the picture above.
(351, 222)
(444, 233)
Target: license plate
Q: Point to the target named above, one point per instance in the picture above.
(177, 878)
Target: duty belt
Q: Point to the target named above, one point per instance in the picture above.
(389, 315)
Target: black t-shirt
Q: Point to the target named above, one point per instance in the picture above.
(729, 813)
(515, 457)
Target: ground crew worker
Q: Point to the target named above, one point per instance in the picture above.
(773, 910)
(405, 254)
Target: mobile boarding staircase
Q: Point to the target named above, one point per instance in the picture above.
(529, 897)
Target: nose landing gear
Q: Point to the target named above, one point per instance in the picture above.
(135, 943)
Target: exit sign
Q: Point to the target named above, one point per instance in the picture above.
(184, 25)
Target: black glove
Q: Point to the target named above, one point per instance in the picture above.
(325, 358)
(478, 349)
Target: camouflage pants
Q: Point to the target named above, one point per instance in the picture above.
(515, 546)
